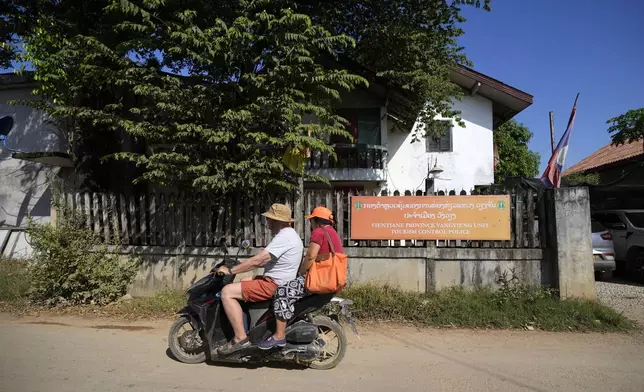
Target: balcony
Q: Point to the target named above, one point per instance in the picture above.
(355, 162)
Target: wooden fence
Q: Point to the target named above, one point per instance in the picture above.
(200, 221)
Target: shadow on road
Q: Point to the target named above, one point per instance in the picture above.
(249, 366)
(123, 327)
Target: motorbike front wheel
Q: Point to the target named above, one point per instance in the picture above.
(185, 343)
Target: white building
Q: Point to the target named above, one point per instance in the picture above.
(384, 157)
(24, 191)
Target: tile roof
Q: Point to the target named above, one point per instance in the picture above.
(606, 155)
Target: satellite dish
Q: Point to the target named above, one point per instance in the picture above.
(6, 123)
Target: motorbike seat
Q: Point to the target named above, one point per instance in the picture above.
(312, 302)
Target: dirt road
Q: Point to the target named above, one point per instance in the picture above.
(64, 354)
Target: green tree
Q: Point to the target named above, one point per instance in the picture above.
(515, 158)
(224, 86)
(628, 127)
(227, 94)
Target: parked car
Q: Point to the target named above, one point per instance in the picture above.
(603, 252)
(627, 230)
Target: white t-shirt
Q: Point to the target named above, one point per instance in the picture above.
(286, 250)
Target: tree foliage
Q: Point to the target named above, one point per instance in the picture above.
(224, 86)
(628, 127)
(515, 158)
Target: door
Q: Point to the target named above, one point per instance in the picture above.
(617, 227)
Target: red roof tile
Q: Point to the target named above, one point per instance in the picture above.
(606, 155)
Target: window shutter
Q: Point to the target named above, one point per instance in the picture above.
(446, 141)
(432, 145)
(442, 144)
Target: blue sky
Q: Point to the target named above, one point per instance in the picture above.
(553, 49)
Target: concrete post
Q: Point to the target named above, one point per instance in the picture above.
(53, 212)
(573, 253)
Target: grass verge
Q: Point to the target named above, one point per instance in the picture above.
(451, 308)
(14, 280)
(484, 308)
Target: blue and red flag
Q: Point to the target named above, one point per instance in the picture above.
(552, 175)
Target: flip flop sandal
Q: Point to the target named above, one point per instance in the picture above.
(232, 347)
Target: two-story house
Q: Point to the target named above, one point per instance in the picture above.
(383, 156)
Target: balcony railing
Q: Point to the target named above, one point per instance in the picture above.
(355, 162)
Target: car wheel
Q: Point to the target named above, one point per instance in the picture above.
(635, 264)
(620, 268)
(638, 266)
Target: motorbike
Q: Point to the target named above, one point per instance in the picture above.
(314, 337)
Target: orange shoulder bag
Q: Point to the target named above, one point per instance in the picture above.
(330, 275)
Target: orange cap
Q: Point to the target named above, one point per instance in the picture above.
(321, 212)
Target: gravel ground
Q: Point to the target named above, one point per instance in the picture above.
(624, 297)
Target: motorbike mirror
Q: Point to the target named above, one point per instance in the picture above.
(222, 244)
(239, 238)
(245, 244)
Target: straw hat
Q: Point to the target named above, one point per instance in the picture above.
(279, 212)
(321, 212)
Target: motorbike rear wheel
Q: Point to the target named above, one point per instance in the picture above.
(329, 331)
(186, 346)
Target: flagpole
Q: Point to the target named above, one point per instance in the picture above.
(551, 176)
(552, 132)
(574, 110)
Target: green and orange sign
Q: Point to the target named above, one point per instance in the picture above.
(482, 218)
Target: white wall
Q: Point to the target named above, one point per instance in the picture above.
(17, 245)
(23, 186)
(470, 163)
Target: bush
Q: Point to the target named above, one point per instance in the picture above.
(71, 266)
(14, 280)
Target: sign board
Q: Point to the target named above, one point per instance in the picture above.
(484, 218)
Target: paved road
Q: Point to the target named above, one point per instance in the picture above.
(36, 355)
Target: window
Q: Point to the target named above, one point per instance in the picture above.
(364, 125)
(596, 227)
(609, 220)
(636, 218)
(443, 143)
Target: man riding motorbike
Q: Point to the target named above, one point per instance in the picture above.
(324, 238)
(281, 261)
